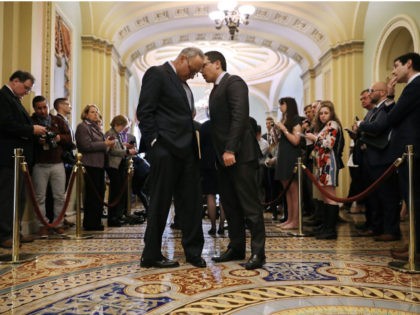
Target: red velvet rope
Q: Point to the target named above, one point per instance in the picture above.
(359, 196)
(117, 200)
(29, 185)
(275, 200)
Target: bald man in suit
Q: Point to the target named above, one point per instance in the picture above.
(165, 112)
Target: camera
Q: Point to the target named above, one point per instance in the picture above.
(49, 139)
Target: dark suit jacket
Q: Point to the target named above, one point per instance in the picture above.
(16, 130)
(376, 129)
(231, 127)
(164, 112)
(404, 119)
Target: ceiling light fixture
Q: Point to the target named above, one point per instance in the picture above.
(231, 16)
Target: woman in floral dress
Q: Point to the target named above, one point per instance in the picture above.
(328, 148)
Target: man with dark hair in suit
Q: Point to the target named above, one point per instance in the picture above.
(404, 119)
(16, 131)
(237, 161)
(165, 112)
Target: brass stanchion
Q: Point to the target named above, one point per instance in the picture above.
(410, 266)
(16, 257)
(79, 180)
(130, 170)
(299, 174)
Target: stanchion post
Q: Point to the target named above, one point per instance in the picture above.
(130, 169)
(299, 176)
(16, 204)
(16, 257)
(411, 266)
(79, 182)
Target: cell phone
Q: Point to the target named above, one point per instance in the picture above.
(111, 138)
(350, 131)
(357, 118)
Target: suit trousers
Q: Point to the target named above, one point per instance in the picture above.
(239, 195)
(7, 176)
(385, 202)
(179, 178)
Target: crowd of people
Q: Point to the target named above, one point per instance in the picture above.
(49, 144)
(227, 154)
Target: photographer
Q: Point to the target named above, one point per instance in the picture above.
(49, 167)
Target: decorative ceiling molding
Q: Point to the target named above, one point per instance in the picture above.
(242, 38)
(139, 26)
(255, 63)
(94, 43)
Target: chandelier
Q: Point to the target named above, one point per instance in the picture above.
(231, 16)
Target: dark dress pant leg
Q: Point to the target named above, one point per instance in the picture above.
(161, 188)
(189, 205)
(246, 186)
(235, 216)
(7, 176)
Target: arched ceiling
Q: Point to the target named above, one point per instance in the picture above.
(301, 30)
(280, 33)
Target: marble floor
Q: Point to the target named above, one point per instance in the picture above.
(101, 275)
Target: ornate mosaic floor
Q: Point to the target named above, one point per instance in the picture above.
(102, 275)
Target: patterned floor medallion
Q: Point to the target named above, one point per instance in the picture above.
(304, 276)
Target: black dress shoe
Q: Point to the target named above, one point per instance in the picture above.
(255, 262)
(198, 262)
(163, 263)
(228, 255)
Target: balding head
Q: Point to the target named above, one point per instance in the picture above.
(378, 92)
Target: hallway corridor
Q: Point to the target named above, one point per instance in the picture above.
(102, 275)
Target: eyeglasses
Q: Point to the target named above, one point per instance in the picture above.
(373, 90)
(27, 88)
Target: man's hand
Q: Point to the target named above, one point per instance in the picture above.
(229, 158)
(39, 130)
(391, 85)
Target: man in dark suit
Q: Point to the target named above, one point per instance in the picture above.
(404, 119)
(16, 131)
(237, 161)
(385, 200)
(165, 113)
